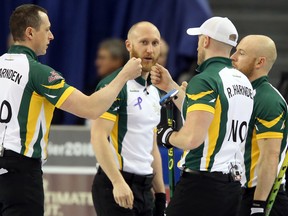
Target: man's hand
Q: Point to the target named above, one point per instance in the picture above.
(163, 134)
(132, 69)
(184, 86)
(123, 195)
(161, 78)
(160, 204)
(258, 208)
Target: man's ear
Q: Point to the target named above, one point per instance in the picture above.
(206, 41)
(128, 45)
(260, 62)
(29, 33)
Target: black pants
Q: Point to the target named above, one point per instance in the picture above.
(205, 194)
(21, 189)
(279, 208)
(103, 199)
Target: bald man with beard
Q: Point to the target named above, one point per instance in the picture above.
(130, 163)
(266, 144)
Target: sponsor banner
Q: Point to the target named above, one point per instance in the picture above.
(68, 195)
(70, 146)
(69, 172)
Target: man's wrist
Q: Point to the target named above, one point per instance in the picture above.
(117, 179)
(123, 76)
(172, 85)
(160, 195)
(160, 204)
(166, 136)
(258, 207)
(167, 139)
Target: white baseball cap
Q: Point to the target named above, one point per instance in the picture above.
(218, 28)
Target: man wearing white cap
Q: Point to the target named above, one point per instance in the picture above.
(217, 108)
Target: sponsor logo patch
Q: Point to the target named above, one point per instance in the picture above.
(54, 76)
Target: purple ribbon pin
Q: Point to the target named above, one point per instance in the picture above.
(139, 101)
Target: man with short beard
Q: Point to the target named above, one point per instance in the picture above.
(266, 141)
(130, 163)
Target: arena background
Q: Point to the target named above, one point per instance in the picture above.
(79, 26)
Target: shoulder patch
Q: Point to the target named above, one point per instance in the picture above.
(54, 76)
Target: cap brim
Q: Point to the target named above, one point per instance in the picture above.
(193, 31)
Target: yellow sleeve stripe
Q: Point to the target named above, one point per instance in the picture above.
(64, 96)
(254, 158)
(57, 86)
(155, 130)
(33, 115)
(271, 135)
(198, 96)
(201, 107)
(109, 116)
(269, 124)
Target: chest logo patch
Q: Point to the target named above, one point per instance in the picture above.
(134, 90)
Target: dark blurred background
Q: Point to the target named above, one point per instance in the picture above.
(79, 27)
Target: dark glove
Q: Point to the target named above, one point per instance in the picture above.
(163, 134)
(258, 208)
(160, 204)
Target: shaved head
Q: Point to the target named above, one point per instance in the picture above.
(255, 56)
(261, 46)
(136, 30)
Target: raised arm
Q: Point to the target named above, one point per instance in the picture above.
(194, 130)
(161, 78)
(94, 105)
